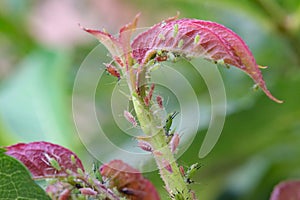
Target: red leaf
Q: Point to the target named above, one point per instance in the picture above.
(286, 190)
(198, 38)
(118, 47)
(128, 181)
(44, 159)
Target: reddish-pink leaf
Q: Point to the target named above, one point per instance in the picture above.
(287, 190)
(44, 159)
(118, 47)
(128, 181)
(198, 38)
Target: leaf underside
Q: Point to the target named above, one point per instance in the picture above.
(35, 156)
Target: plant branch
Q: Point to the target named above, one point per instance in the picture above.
(165, 160)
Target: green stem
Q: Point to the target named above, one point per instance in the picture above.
(165, 160)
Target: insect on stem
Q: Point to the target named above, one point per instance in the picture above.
(174, 142)
(130, 118)
(112, 70)
(145, 146)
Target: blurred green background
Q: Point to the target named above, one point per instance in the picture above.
(42, 48)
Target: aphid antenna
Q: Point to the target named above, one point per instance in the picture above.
(133, 127)
(126, 95)
(112, 83)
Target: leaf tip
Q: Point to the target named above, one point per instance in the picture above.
(268, 93)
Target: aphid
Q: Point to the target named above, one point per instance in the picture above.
(169, 122)
(65, 194)
(181, 169)
(145, 146)
(159, 52)
(157, 153)
(119, 61)
(159, 101)
(161, 58)
(174, 142)
(88, 191)
(255, 87)
(172, 57)
(191, 172)
(167, 166)
(193, 195)
(96, 166)
(161, 36)
(180, 43)
(80, 172)
(73, 160)
(196, 39)
(52, 162)
(151, 91)
(175, 30)
(130, 118)
(146, 100)
(112, 70)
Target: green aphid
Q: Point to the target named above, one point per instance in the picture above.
(80, 172)
(161, 36)
(255, 87)
(191, 172)
(73, 160)
(171, 57)
(53, 162)
(136, 65)
(175, 30)
(196, 39)
(180, 43)
(96, 171)
(169, 122)
(159, 52)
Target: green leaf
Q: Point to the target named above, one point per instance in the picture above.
(16, 182)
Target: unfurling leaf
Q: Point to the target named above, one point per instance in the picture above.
(118, 47)
(128, 181)
(45, 160)
(197, 38)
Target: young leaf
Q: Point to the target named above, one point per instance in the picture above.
(15, 181)
(286, 190)
(128, 181)
(198, 38)
(118, 47)
(44, 159)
